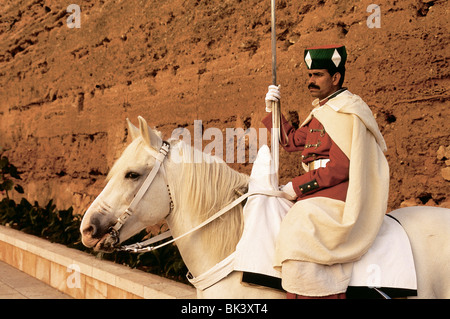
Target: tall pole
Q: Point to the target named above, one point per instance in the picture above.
(275, 105)
(274, 43)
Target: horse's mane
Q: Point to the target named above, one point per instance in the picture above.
(206, 185)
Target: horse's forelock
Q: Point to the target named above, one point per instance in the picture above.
(128, 156)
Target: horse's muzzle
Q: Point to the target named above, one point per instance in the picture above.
(108, 243)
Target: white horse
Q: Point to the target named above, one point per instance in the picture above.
(196, 189)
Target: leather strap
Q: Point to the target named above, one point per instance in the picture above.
(138, 248)
(145, 186)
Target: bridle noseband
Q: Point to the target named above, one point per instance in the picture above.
(114, 230)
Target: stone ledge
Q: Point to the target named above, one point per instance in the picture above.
(81, 275)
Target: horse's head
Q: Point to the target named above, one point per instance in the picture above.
(124, 181)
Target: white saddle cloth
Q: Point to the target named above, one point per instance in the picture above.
(388, 263)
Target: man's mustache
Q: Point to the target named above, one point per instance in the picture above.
(313, 86)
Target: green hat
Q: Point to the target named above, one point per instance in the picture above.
(331, 57)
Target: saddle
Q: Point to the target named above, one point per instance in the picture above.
(387, 267)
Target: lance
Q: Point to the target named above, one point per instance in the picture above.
(276, 112)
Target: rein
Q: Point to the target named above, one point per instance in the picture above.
(144, 246)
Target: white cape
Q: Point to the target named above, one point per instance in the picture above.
(262, 218)
(388, 263)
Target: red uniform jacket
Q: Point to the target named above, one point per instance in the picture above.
(314, 143)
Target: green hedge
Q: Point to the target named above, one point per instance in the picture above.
(62, 226)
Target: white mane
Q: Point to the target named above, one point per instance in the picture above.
(205, 185)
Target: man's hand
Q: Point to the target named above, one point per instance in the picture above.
(273, 95)
(289, 189)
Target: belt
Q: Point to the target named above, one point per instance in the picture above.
(318, 163)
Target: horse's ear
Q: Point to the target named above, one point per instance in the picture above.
(150, 137)
(133, 130)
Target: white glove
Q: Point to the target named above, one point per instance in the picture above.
(273, 95)
(289, 189)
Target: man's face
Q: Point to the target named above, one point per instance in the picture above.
(321, 84)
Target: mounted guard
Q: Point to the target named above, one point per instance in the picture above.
(342, 197)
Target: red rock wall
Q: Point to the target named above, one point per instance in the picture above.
(65, 92)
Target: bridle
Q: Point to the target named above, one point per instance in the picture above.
(145, 245)
(162, 154)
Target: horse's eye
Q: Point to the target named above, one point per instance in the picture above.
(132, 175)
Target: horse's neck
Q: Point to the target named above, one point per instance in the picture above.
(199, 255)
(192, 249)
(208, 245)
